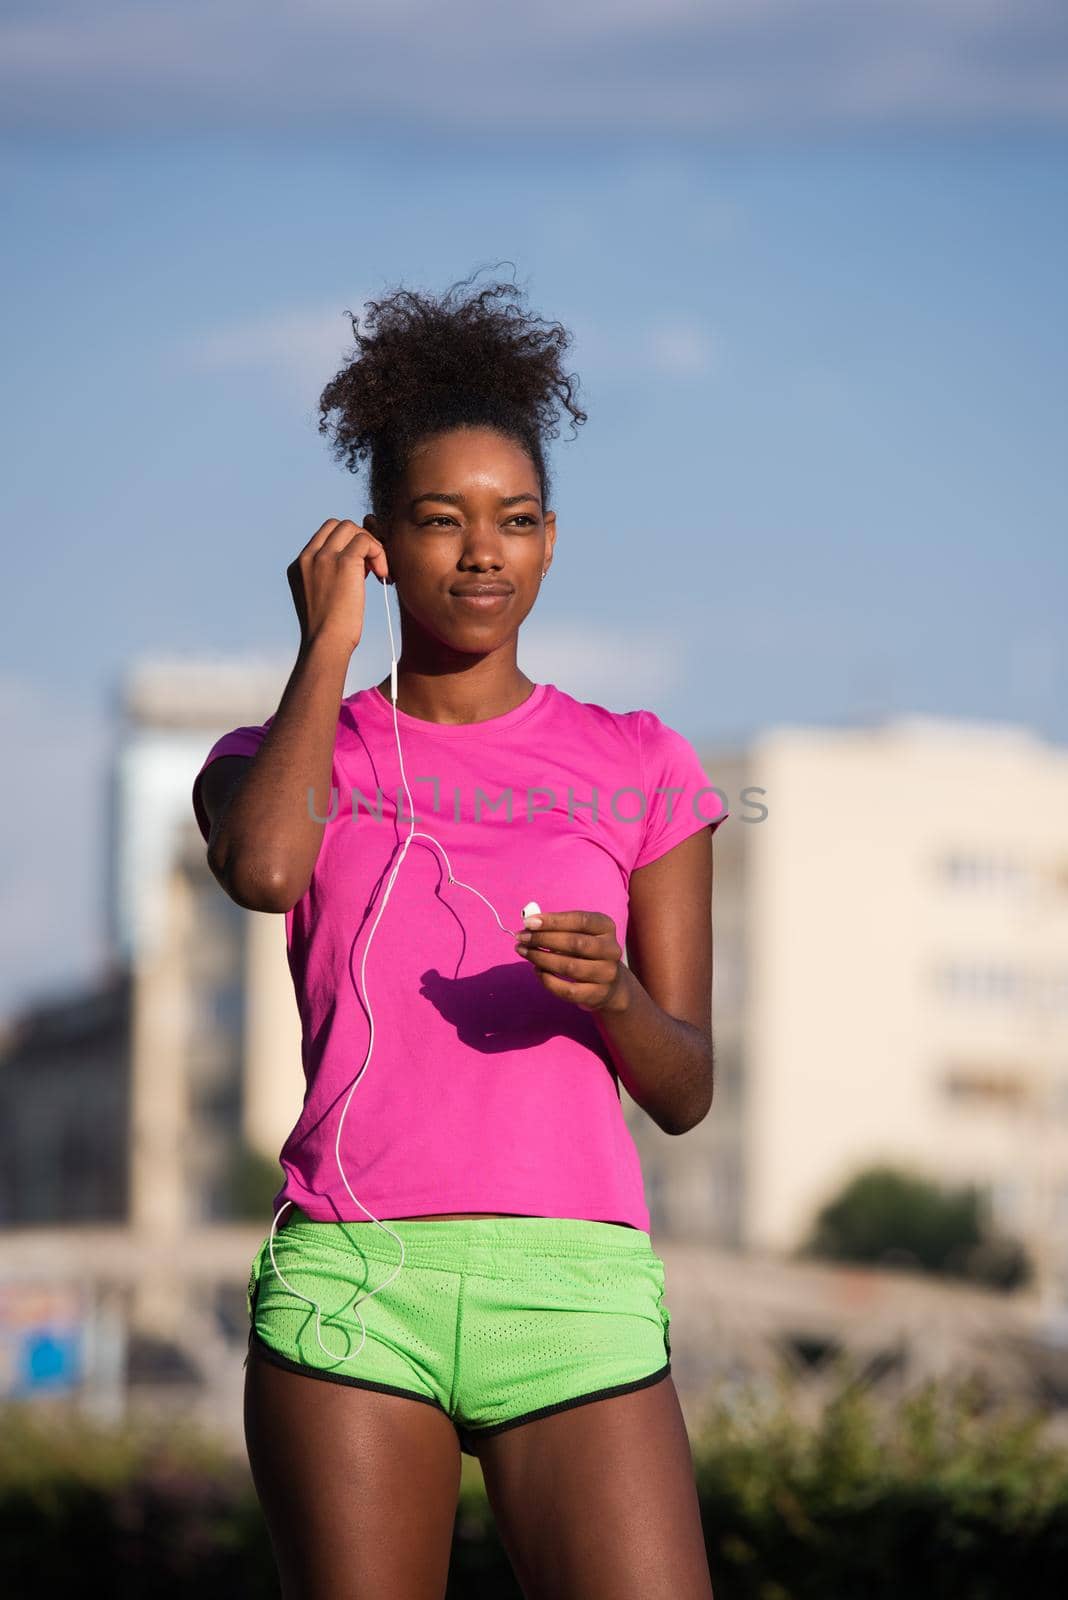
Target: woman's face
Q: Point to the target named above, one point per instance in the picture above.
(467, 512)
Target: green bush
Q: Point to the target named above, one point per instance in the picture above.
(890, 1217)
(136, 1511)
(949, 1497)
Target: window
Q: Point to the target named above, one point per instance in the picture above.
(1000, 983)
(962, 869)
(993, 1085)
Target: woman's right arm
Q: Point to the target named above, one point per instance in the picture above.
(265, 838)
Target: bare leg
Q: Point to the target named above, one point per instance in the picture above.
(359, 1489)
(600, 1502)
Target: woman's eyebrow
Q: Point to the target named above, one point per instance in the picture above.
(459, 499)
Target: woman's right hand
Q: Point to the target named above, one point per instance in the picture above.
(328, 581)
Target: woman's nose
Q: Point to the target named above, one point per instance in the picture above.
(483, 551)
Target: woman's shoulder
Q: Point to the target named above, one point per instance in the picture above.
(640, 731)
(656, 748)
(592, 714)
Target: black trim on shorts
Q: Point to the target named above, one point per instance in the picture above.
(469, 1435)
(279, 1360)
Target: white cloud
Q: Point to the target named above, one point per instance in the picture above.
(680, 348)
(607, 66)
(303, 346)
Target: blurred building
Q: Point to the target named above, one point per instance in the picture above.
(890, 916)
(130, 1102)
(64, 1107)
(216, 1033)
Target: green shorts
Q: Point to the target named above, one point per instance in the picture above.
(495, 1320)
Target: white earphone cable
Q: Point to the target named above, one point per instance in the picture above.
(370, 1044)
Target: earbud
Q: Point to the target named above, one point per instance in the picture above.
(533, 910)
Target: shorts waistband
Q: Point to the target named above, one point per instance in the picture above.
(455, 1242)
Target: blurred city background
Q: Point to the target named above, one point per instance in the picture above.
(813, 260)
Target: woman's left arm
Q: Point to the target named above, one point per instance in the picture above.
(654, 1014)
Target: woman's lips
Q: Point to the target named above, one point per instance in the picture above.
(483, 602)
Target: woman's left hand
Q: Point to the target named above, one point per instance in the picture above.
(577, 956)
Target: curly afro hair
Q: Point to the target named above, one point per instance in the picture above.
(433, 364)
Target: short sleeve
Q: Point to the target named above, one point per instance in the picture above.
(680, 798)
(238, 742)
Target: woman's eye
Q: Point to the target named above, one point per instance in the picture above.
(440, 517)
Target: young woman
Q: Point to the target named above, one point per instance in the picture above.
(511, 1305)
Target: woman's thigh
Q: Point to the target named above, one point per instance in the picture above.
(359, 1488)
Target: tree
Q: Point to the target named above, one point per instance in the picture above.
(890, 1217)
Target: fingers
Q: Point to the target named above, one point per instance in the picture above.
(340, 536)
(320, 536)
(365, 549)
(576, 967)
(591, 922)
(593, 946)
(576, 955)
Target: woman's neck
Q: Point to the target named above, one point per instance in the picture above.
(458, 697)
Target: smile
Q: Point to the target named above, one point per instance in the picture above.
(483, 602)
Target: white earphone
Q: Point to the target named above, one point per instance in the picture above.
(530, 910)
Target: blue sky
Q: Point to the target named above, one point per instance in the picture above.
(819, 327)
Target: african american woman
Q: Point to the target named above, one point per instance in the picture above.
(462, 1261)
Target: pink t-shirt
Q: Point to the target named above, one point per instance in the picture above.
(483, 1092)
